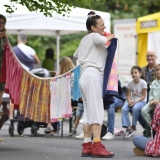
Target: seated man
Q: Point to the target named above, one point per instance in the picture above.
(148, 74)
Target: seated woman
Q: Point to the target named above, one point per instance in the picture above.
(146, 146)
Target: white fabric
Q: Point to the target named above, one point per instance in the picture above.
(27, 50)
(92, 52)
(136, 89)
(91, 90)
(154, 43)
(60, 106)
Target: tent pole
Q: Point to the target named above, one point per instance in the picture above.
(58, 48)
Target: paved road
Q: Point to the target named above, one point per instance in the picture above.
(60, 148)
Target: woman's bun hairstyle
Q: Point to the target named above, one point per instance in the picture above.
(91, 20)
(91, 13)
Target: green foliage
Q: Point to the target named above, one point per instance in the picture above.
(118, 9)
(70, 43)
(48, 6)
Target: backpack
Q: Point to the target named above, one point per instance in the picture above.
(104, 129)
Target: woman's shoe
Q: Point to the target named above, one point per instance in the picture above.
(138, 151)
(73, 132)
(81, 136)
(100, 151)
(108, 136)
(87, 149)
(48, 130)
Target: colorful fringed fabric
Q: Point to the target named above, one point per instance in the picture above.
(113, 78)
(110, 80)
(61, 98)
(32, 94)
(35, 98)
(11, 75)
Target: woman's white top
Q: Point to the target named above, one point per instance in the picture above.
(92, 52)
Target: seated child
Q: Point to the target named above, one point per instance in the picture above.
(136, 99)
(154, 96)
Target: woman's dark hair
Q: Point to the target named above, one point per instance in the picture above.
(3, 17)
(50, 53)
(138, 68)
(91, 20)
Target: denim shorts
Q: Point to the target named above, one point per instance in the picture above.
(80, 110)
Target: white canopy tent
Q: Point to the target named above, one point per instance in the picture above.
(32, 23)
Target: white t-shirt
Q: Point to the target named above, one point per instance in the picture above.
(136, 89)
(27, 50)
(92, 51)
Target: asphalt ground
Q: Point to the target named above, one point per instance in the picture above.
(26, 147)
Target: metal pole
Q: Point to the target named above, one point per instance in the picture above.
(58, 48)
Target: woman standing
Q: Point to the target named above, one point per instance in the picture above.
(92, 55)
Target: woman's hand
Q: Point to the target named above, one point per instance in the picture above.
(156, 102)
(131, 103)
(110, 37)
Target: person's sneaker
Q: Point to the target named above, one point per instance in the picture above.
(87, 149)
(108, 136)
(51, 134)
(81, 136)
(138, 151)
(129, 133)
(81, 121)
(100, 151)
(73, 132)
(48, 129)
(12, 122)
